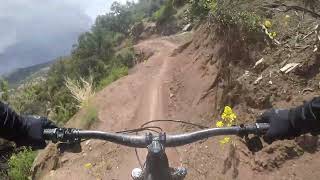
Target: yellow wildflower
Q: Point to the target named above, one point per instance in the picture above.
(225, 140)
(267, 24)
(88, 165)
(228, 114)
(228, 119)
(272, 35)
(219, 124)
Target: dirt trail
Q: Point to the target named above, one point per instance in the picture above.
(126, 104)
(172, 87)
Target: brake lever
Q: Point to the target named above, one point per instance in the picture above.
(254, 143)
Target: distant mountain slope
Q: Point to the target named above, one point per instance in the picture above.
(21, 75)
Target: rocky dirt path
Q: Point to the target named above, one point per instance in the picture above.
(126, 104)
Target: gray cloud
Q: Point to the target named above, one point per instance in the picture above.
(36, 31)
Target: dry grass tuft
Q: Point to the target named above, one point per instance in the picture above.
(81, 90)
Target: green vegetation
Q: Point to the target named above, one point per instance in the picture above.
(148, 7)
(125, 56)
(199, 9)
(165, 13)
(25, 100)
(179, 3)
(20, 165)
(115, 74)
(230, 13)
(227, 13)
(91, 116)
(23, 75)
(4, 90)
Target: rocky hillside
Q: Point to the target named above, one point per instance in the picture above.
(276, 66)
(22, 75)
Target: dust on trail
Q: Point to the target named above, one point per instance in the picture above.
(126, 104)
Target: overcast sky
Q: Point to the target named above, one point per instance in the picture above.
(37, 31)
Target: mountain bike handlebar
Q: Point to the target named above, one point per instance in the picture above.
(70, 135)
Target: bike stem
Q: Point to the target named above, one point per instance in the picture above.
(157, 164)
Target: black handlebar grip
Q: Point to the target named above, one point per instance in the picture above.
(69, 135)
(49, 134)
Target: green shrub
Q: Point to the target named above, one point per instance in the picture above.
(20, 164)
(199, 9)
(165, 13)
(250, 21)
(63, 112)
(4, 90)
(126, 56)
(91, 116)
(158, 15)
(29, 99)
(118, 38)
(115, 74)
(229, 13)
(225, 12)
(179, 3)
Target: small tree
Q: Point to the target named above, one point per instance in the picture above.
(4, 90)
